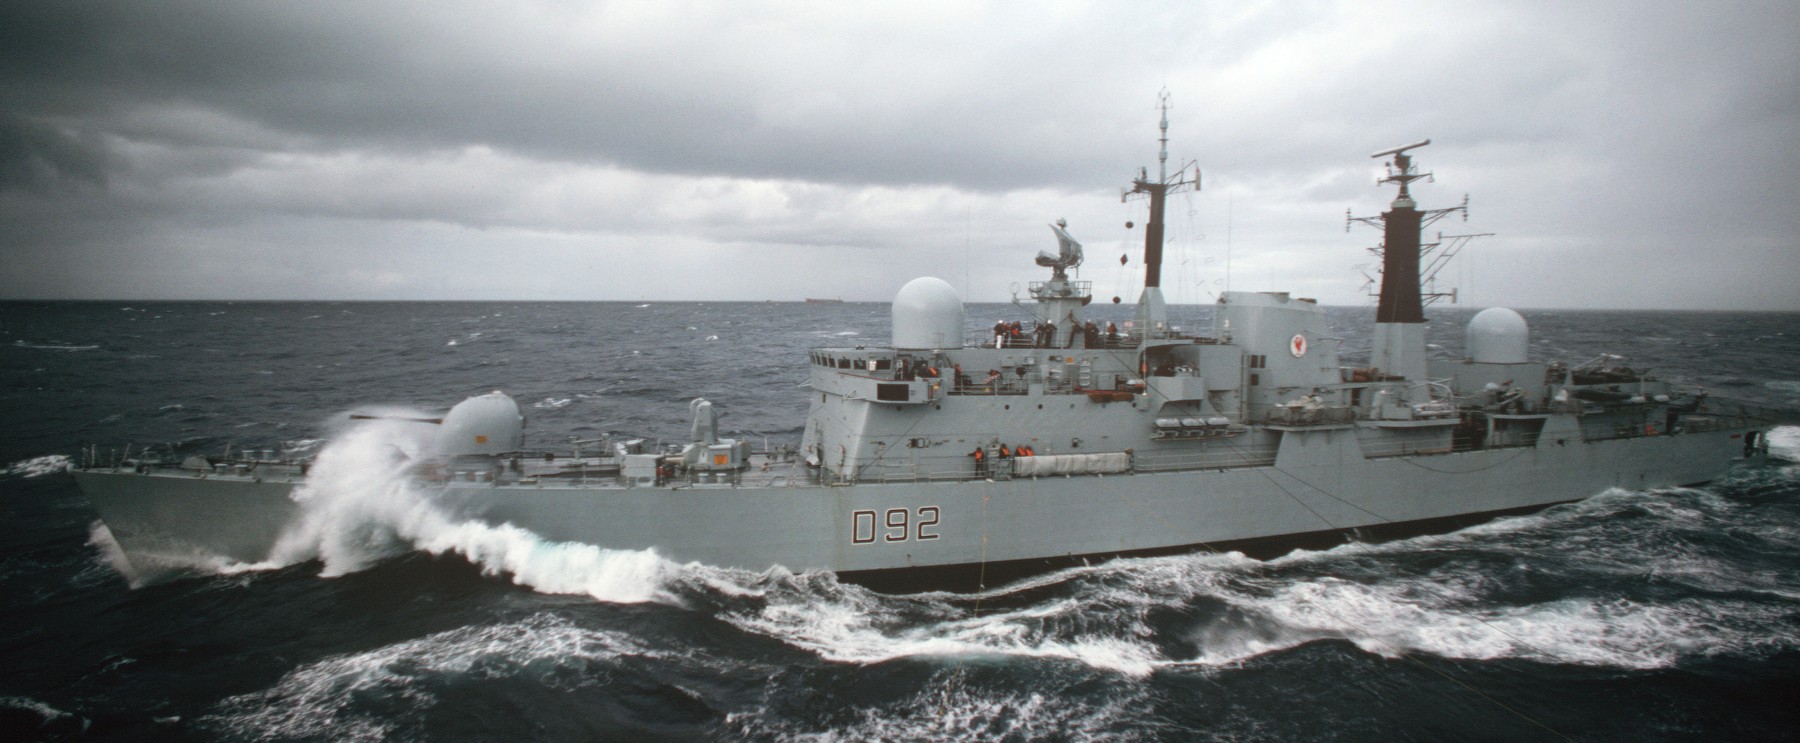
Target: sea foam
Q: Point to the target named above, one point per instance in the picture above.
(374, 695)
(1115, 618)
(39, 466)
(950, 708)
(359, 505)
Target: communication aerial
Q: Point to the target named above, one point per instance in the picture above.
(1157, 191)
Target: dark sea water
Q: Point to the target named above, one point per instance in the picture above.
(1664, 615)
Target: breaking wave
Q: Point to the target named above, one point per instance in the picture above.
(1791, 386)
(948, 708)
(371, 696)
(54, 346)
(1579, 585)
(1784, 442)
(358, 507)
(22, 712)
(40, 466)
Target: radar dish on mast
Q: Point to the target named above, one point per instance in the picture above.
(1068, 252)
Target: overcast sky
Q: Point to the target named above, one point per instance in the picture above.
(1627, 155)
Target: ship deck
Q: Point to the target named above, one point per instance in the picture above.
(784, 468)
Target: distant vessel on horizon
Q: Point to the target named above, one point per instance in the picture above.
(821, 300)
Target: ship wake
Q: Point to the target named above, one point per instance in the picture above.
(1588, 584)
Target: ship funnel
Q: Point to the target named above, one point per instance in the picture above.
(487, 424)
(927, 314)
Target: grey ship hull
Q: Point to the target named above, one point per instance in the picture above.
(960, 535)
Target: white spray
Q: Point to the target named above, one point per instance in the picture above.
(360, 505)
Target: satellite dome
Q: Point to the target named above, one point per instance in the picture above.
(488, 424)
(1497, 335)
(927, 314)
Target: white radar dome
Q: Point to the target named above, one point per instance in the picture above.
(1497, 335)
(927, 314)
(487, 424)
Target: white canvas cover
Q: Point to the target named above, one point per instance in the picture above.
(1101, 463)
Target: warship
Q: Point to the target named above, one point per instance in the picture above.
(949, 462)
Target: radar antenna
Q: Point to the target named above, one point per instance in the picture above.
(1068, 252)
(1400, 169)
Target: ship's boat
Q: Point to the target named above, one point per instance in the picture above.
(945, 461)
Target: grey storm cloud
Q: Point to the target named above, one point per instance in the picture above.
(1630, 155)
(695, 93)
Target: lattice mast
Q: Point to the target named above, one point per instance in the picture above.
(1399, 343)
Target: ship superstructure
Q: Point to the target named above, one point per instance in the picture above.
(948, 461)
(1154, 399)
